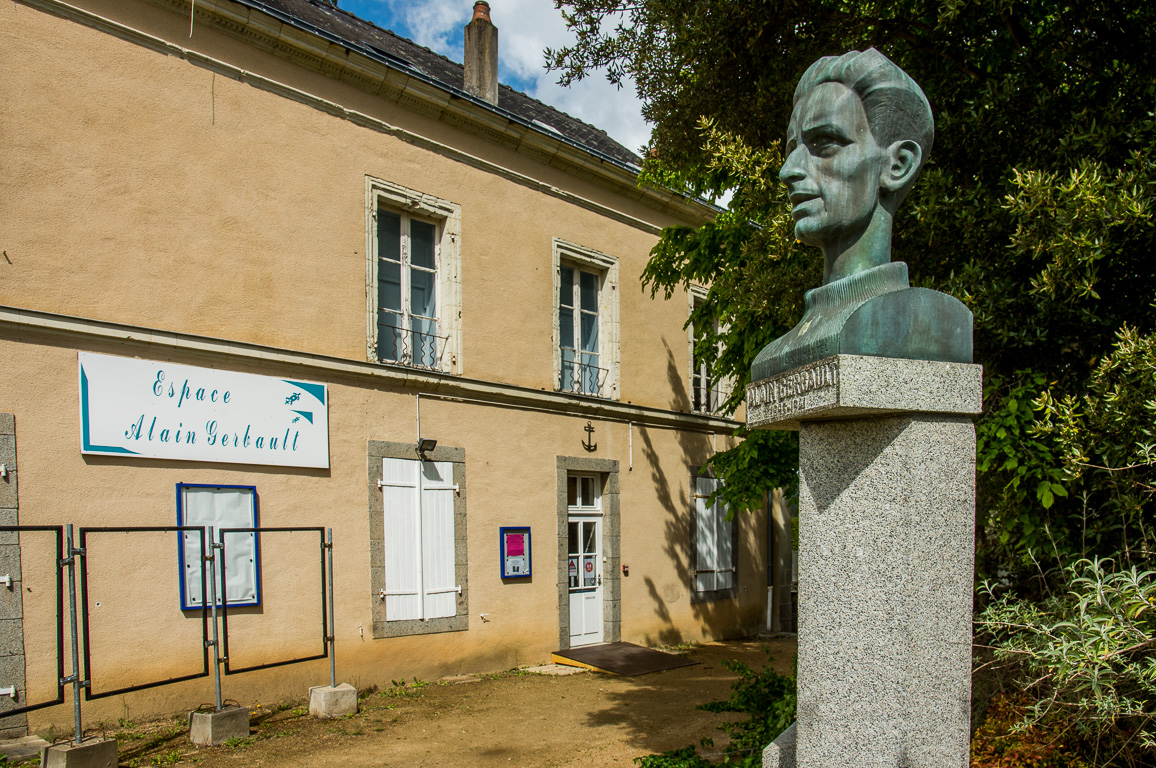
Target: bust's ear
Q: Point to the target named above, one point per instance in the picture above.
(900, 165)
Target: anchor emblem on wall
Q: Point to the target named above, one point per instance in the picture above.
(589, 443)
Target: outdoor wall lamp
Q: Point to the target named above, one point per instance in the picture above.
(425, 445)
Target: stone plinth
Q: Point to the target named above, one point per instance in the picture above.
(327, 701)
(89, 753)
(886, 527)
(211, 729)
(853, 386)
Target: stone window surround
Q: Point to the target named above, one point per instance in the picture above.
(608, 322)
(730, 593)
(607, 470)
(448, 217)
(376, 451)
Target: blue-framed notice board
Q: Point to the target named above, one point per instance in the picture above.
(514, 543)
(219, 506)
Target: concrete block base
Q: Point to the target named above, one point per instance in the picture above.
(209, 729)
(327, 701)
(90, 753)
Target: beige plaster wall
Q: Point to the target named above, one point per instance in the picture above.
(139, 632)
(141, 188)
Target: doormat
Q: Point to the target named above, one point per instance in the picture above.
(625, 659)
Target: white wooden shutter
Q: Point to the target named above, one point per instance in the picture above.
(437, 501)
(725, 559)
(400, 500)
(706, 534)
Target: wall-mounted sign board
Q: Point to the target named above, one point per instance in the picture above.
(142, 408)
(515, 552)
(219, 506)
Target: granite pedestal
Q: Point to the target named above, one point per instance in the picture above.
(886, 527)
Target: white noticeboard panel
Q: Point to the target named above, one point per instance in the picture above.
(149, 409)
(219, 506)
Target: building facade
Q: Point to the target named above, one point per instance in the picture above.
(255, 254)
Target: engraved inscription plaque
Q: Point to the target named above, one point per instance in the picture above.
(797, 391)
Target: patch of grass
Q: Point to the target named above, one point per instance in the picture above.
(404, 689)
(172, 757)
(237, 742)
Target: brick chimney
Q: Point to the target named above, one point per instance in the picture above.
(482, 55)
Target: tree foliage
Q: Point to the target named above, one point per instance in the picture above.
(1035, 209)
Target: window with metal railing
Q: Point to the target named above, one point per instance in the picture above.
(414, 293)
(585, 321)
(406, 290)
(578, 331)
(707, 393)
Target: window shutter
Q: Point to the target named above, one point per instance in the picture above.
(402, 539)
(706, 534)
(437, 497)
(725, 561)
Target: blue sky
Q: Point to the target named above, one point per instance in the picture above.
(525, 29)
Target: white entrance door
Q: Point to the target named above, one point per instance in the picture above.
(584, 560)
(585, 569)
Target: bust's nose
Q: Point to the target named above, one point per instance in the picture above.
(792, 171)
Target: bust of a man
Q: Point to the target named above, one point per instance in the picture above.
(860, 132)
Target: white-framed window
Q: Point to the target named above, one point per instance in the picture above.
(714, 541)
(413, 284)
(419, 538)
(585, 321)
(584, 494)
(707, 393)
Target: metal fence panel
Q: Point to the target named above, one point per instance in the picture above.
(59, 562)
(89, 694)
(325, 607)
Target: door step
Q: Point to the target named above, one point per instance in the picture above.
(625, 659)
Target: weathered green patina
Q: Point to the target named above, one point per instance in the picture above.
(859, 134)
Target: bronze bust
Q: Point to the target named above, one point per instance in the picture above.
(860, 132)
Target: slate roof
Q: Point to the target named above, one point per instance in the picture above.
(320, 17)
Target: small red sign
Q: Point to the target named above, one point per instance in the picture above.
(589, 566)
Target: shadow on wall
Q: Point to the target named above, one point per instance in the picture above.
(715, 618)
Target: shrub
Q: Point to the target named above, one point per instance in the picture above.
(766, 697)
(1086, 659)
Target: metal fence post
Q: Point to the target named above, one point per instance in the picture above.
(331, 638)
(74, 678)
(212, 560)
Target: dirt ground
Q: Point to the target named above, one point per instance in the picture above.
(512, 718)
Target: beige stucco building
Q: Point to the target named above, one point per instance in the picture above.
(280, 190)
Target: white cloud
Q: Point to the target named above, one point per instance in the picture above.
(525, 29)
